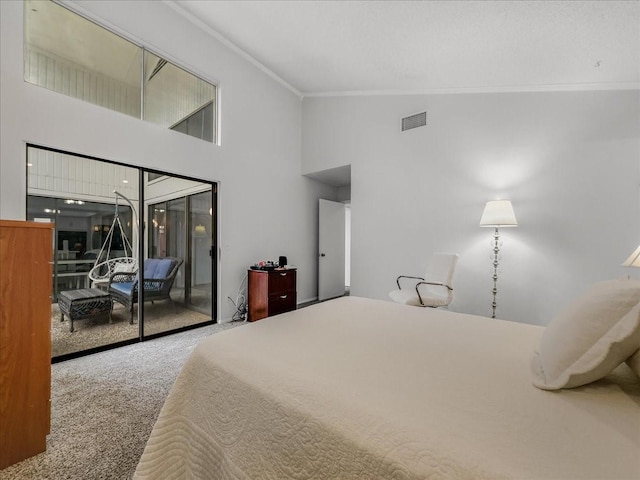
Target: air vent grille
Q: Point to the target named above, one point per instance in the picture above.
(414, 121)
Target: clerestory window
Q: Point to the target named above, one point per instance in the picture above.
(69, 54)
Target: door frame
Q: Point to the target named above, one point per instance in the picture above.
(331, 248)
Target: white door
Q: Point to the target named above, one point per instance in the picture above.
(331, 241)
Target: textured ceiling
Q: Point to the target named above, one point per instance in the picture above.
(341, 47)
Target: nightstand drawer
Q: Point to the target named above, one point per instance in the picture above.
(282, 302)
(282, 281)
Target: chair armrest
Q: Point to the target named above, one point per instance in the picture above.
(153, 283)
(159, 279)
(122, 277)
(439, 284)
(406, 276)
(158, 283)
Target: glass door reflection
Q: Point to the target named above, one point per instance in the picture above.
(180, 236)
(199, 289)
(63, 189)
(95, 203)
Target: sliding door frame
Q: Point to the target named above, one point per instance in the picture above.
(142, 244)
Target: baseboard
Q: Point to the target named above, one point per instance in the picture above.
(229, 320)
(299, 304)
(307, 300)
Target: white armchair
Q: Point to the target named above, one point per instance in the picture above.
(435, 289)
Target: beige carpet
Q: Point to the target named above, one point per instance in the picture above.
(103, 407)
(91, 333)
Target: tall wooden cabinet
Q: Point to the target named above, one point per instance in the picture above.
(271, 292)
(25, 338)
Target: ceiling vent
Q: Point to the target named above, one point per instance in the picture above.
(414, 121)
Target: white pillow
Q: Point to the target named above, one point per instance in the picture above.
(634, 363)
(593, 336)
(125, 267)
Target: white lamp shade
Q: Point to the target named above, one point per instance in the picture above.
(498, 213)
(633, 260)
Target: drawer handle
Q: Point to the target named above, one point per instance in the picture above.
(283, 296)
(283, 274)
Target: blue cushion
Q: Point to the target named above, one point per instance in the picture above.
(164, 267)
(150, 265)
(157, 267)
(123, 287)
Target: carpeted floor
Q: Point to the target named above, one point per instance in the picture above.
(103, 407)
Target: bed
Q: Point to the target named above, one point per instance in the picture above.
(365, 389)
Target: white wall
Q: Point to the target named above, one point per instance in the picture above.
(568, 161)
(266, 208)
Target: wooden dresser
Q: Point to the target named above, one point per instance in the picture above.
(26, 250)
(271, 292)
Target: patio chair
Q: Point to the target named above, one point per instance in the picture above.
(158, 277)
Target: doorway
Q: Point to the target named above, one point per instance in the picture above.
(334, 242)
(334, 233)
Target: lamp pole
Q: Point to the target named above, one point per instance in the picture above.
(496, 251)
(497, 213)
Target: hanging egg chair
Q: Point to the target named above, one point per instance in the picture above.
(110, 261)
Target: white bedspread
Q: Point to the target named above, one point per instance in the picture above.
(357, 388)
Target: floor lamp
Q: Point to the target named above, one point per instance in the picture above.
(497, 213)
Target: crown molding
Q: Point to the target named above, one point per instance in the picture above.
(581, 87)
(230, 45)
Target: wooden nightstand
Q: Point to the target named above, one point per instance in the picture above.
(271, 292)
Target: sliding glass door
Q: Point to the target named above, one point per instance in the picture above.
(182, 229)
(139, 241)
(198, 293)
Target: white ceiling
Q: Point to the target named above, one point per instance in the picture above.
(352, 47)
